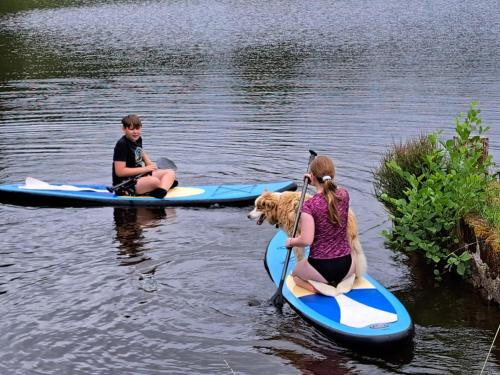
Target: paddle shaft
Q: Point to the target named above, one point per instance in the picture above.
(126, 183)
(294, 231)
(277, 299)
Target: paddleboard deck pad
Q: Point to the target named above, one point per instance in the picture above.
(44, 194)
(367, 315)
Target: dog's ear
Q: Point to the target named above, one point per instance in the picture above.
(260, 202)
(270, 204)
(267, 200)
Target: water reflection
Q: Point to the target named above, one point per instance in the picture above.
(131, 225)
(328, 361)
(314, 352)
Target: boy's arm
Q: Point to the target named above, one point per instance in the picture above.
(146, 158)
(122, 170)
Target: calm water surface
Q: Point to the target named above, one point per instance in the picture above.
(233, 92)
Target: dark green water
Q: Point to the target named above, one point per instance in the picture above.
(232, 91)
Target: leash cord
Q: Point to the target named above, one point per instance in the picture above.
(489, 352)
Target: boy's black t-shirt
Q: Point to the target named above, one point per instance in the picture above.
(129, 152)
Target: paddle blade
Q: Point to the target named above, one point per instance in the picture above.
(277, 299)
(165, 163)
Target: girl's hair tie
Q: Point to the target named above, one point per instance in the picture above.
(324, 179)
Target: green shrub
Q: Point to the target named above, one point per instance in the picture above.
(451, 182)
(411, 157)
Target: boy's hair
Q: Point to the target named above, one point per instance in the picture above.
(131, 122)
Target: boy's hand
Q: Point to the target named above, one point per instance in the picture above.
(151, 167)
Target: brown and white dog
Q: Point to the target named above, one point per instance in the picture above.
(280, 208)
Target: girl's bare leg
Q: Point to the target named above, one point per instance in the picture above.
(303, 271)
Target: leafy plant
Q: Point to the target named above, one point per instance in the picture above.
(452, 181)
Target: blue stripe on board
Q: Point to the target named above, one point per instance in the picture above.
(324, 305)
(372, 298)
(223, 190)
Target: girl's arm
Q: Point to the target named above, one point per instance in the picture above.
(306, 232)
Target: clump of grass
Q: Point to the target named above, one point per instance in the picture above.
(491, 208)
(411, 157)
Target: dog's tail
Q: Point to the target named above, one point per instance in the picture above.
(357, 250)
(359, 257)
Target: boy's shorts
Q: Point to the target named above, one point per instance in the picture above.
(127, 189)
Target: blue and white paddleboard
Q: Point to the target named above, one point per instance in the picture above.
(367, 315)
(43, 194)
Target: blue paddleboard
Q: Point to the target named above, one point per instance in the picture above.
(43, 194)
(367, 315)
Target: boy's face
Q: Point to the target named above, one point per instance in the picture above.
(132, 133)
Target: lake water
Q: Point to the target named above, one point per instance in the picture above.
(233, 92)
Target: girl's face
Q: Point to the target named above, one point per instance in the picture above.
(132, 134)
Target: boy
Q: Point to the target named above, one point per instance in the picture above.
(129, 160)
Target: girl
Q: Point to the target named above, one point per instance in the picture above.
(323, 227)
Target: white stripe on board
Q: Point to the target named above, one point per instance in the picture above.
(358, 315)
(36, 184)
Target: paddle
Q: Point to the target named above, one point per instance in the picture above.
(162, 163)
(277, 298)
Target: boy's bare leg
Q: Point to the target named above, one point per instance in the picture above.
(146, 184)
(160, 179)
(166, 177)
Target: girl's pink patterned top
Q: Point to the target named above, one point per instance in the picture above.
(330, 241)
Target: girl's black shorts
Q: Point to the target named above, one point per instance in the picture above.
(333, 270)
